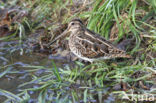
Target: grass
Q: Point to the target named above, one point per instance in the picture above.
(95, 82)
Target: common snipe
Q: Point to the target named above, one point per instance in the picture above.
(88, 45)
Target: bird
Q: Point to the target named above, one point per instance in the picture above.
(88, 45)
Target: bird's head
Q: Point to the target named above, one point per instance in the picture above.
(74, 25)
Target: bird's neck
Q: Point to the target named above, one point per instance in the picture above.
(75, 30)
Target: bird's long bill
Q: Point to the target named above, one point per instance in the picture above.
(59, 37)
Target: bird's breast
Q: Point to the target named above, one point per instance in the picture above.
(71, 40)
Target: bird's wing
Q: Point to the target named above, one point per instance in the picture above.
(96, 38)
(91, 47)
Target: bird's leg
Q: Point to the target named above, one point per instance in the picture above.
(72, 57)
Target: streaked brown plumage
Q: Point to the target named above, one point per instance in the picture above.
(88, 45)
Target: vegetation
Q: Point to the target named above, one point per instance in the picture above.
(105, 81)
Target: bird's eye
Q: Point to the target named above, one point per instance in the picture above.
(72, 23)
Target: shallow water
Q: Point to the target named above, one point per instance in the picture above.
(13, 70)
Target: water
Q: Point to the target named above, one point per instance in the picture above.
(13, 70)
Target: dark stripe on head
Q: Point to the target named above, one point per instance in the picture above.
(77, 19)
